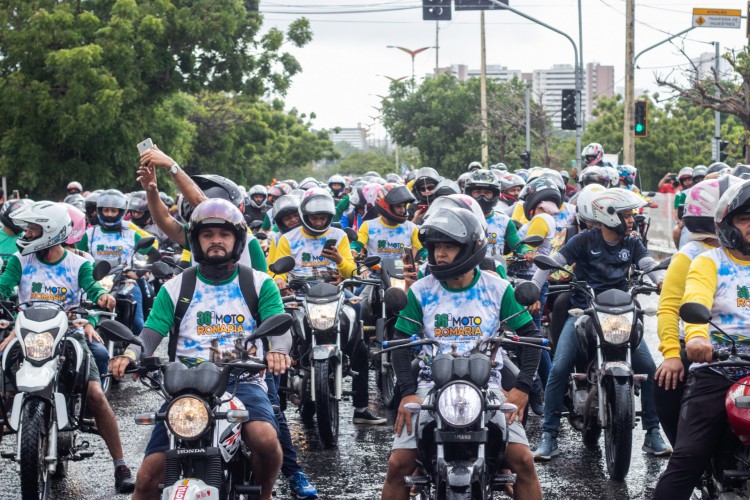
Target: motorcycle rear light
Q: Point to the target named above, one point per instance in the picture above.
(145, 419)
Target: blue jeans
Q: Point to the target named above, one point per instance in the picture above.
(566, 354)
(138, 318)
(101, 356)
(289, 465)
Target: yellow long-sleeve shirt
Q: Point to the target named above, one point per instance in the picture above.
(673, 289)
(307, 250)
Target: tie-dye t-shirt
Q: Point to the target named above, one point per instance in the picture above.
(114, 246)
(216, 317)
(388, 242)
(460, 317)
(497, 224)
(57, 282)
(721, 283)
(307, 252)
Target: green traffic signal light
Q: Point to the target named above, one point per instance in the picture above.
(641, 119)
(639, 128)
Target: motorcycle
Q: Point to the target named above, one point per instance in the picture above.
(728, 474)
(324, 329)
(603, 396)
(207, 457)
(461, 448)
(120, 286)
(50, 371)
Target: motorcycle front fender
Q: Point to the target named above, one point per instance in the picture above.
(189, 489)
(617, 369)
(15, 414)
(61, 411)
(30, 378)
(323, 352)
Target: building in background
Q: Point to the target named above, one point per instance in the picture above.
(547, 87)
(705, 63)
(356, 137)
(599, 82)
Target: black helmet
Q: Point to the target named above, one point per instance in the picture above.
(216, 186)
(594, 175)
(277, 191)
(539, 190)
(139, 203)
(741, 171)
(77, 200)
(459, 227)
(90, 207)
(735, 201)
(699, 173)
(393, 194)
(473, 166)
(285, 205)
(8, 208)
(484, 179)
(111, 198)
(166, 199)
(217, 212)
(446, 187)
(316, 201)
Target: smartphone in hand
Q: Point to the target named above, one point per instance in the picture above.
(408, 257)
(145, 146)
(329, 244)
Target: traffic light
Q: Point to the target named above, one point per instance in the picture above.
(641, 118)
(526, 159)
(568, 113)
(436, 10)
(722, 146)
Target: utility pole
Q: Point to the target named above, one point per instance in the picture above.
(628, 137)
(528, 117)
(483, 92)
(579, 86)
(717, 115)
(437, 47)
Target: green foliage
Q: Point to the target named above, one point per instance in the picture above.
(82, 82)
(679, 135)
(441, 119)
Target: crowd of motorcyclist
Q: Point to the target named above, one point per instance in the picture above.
(463, 245)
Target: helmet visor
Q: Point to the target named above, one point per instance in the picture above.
(112, 200)
(216, 211)
(449, 224)
(320, 205)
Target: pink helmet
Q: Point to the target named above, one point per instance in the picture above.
(78, 219)
(370, 193)
(701, 202)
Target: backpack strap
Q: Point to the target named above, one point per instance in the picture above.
(187, 288)
(247, 287)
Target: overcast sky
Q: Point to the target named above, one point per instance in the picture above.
(341, 66)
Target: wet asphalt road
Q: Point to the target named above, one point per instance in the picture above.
(356, 468)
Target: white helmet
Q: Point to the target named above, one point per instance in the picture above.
(55, 223)
(258, 189)
(607, 207)
(613, 175)
(584, 211)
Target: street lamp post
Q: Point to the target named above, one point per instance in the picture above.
(412, 54)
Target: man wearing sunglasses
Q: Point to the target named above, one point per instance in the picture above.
(426, 180)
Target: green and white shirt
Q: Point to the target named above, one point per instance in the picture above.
(114, 246)
(216, 317)
(497, 225)
(460, 316)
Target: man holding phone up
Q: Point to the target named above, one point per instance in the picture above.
(321, 252)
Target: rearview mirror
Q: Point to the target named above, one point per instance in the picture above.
(161, 270)
(372, 260)
(273, 326)
(547, 263)
(261, 236)
(255, 225)
(117, 332)
(395, 299)
(351, 234)
(532, 241)
(101, 269)
(283, 265)
(663, 264)
(527, 293)
(693, 312)
(144, 243)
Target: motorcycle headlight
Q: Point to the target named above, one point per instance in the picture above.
(616, 327)
(459, 404)
(107, 283)
(188, 417)
(39, 345)
(322, 316)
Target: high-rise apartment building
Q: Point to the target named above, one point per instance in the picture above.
(548, 84)
(600, 82)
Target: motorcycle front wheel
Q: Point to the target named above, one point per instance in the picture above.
(326, 404)
(33, 435)
(389, 391)
(618, 435)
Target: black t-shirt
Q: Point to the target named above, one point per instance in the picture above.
(602, 265)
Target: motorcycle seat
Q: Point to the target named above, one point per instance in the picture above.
(202, 379)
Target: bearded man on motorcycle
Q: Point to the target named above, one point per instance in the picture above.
(716, 279)
(217, 233)
(42, 260)
(456, 245)
(603, 258)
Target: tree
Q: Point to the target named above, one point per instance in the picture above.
(733, 94)
(82, 82)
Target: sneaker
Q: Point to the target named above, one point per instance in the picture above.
(124, 482)
(536, 400)
(655, 445)
(547, 448)
(301, 487)
(366, 417)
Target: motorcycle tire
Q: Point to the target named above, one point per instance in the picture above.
(35, 482)
(307, 410)
(618, 435)
(390, 391)
(326, 405)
